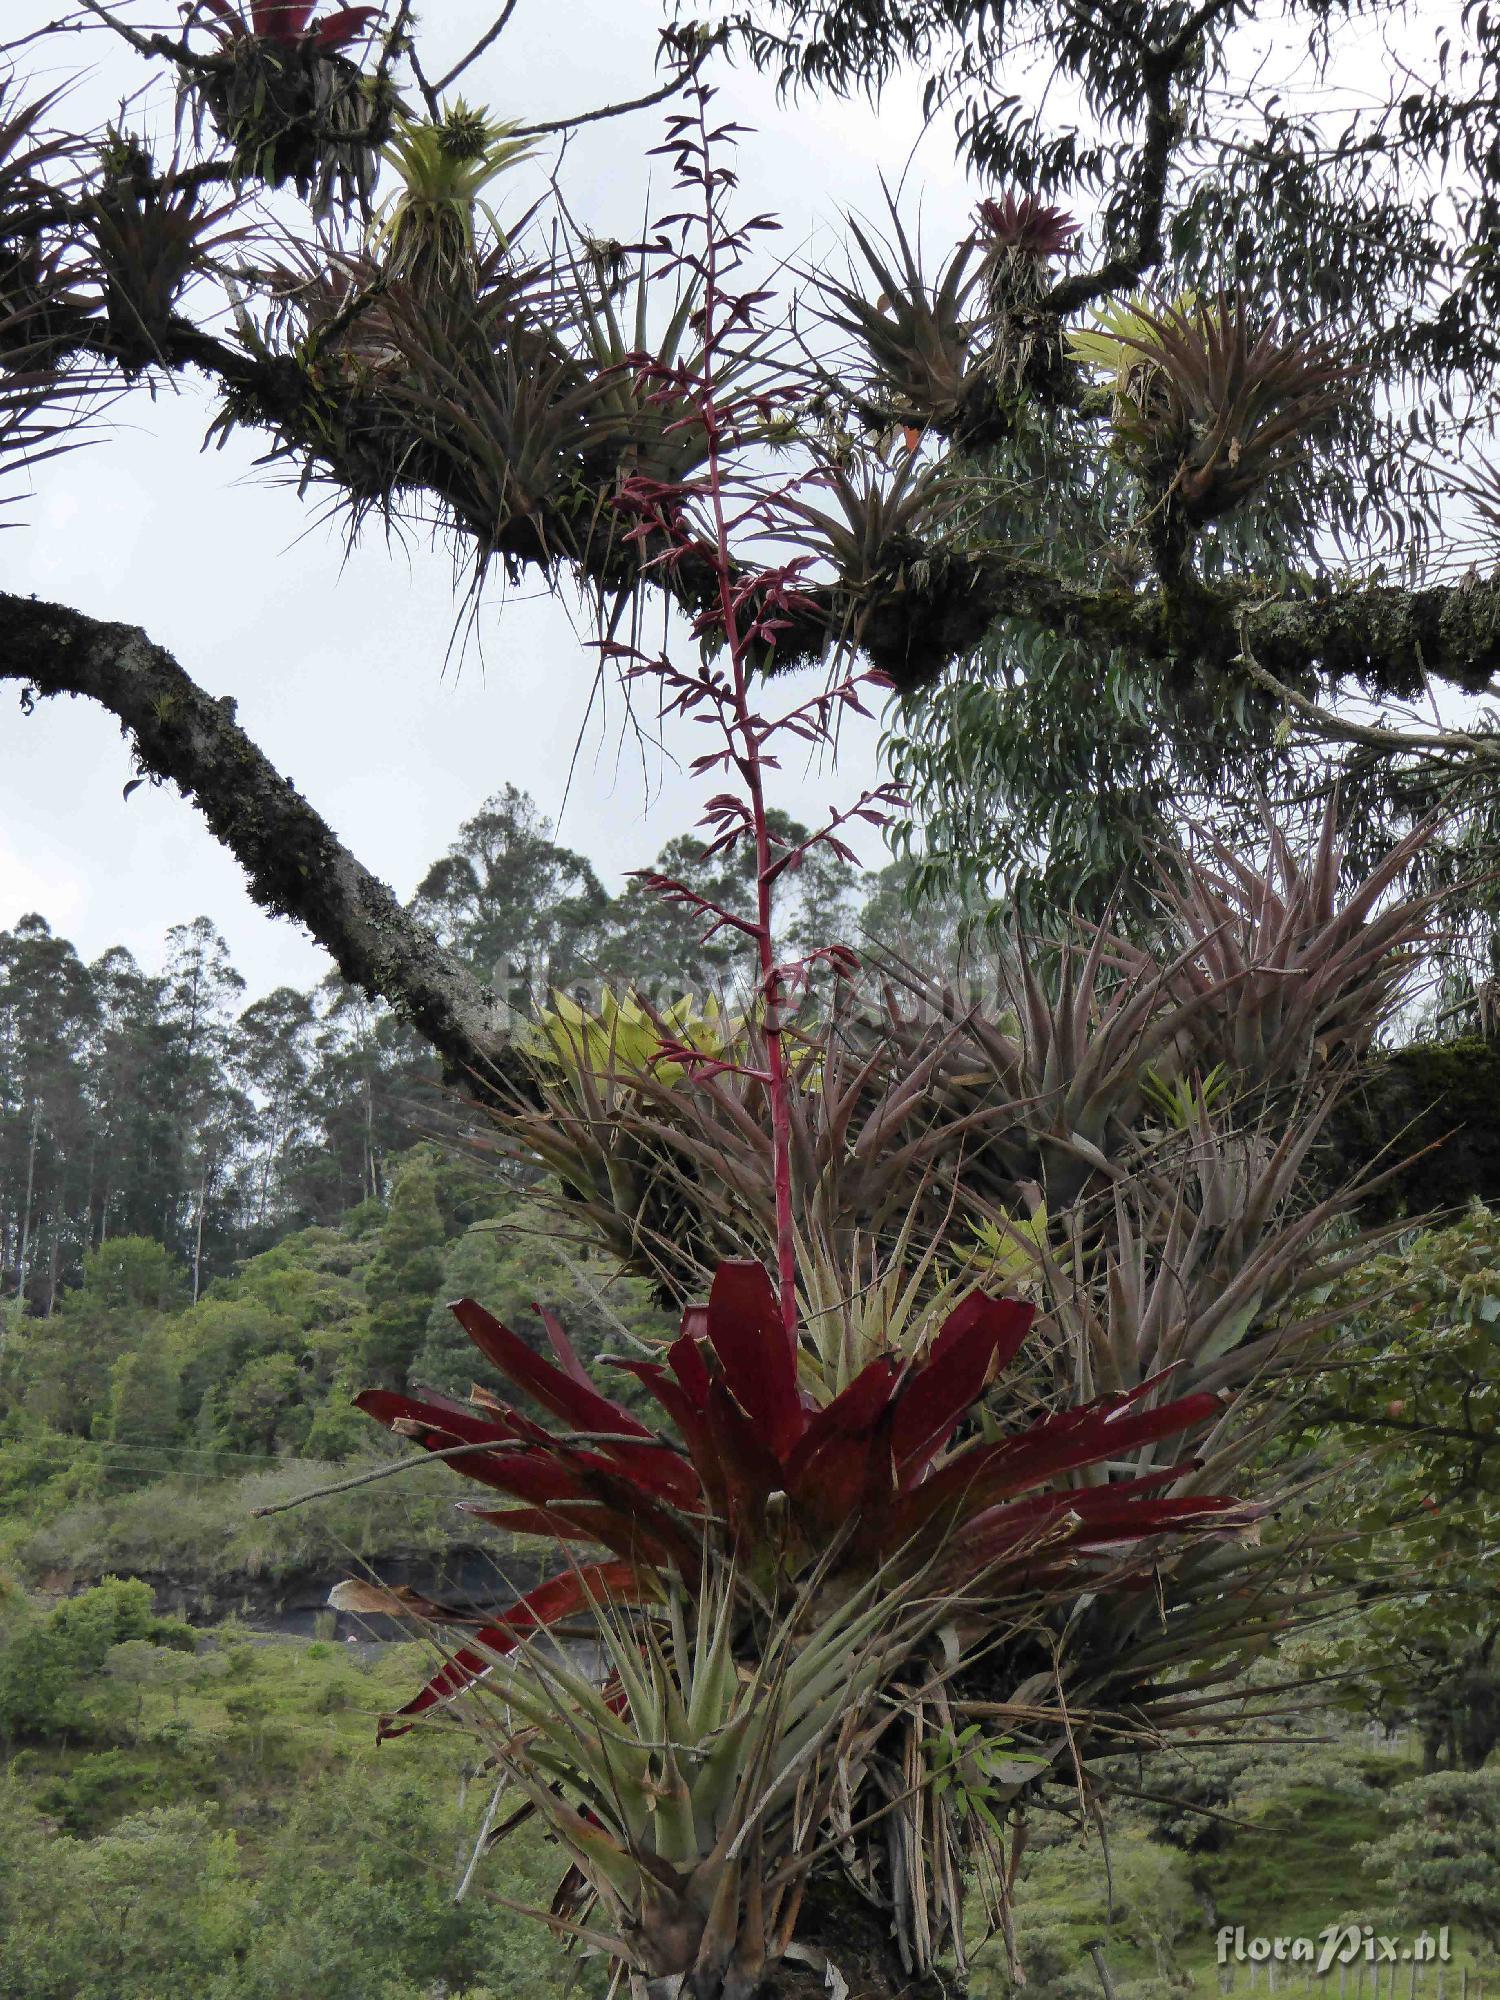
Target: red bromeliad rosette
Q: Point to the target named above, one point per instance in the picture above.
(784, 1480)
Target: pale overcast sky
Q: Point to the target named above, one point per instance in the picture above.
(338, 668)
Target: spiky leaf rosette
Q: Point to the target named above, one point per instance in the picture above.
(290, 102)
(286, 23)
(40, 304)
(692, 1792)
(1213, 407)
(773, 1466)
(1024, 226)
(426, 228)
(916, 338)
(1020, 235)
(149, 238)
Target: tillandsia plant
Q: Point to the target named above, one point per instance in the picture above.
(917, 339)
(39, 303)
(426, 227)
(833, 1524)
(1214, 406)
(284, 92)
(150, 236)
(1021, 236)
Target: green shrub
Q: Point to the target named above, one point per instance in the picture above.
(1440, 1863)
(153, 1907)
(106, 1786)
(48, 1663)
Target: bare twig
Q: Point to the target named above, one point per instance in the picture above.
(491, 35)
(150, 45)
(657, 96)
(496, 1445)
(484, 1833)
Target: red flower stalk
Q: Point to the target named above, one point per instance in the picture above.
(871, 1477)
(744, 610)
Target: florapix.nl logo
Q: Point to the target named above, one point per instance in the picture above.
(1335, 1944)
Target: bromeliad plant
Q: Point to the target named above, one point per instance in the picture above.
(916, 341)
(426, 227)
(771, 1465)
(150, 236)
(283, 91)
(1020, 236)
(1214, 406)
(830, 1525)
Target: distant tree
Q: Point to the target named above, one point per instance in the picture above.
(47, 1662)
(134, 1135)
(144, 1409)
(200, 989)
(405, 1272)
(926, 930)
(155, 1905)
(272, 1061)
(63, 1364)
(1440, 1864)
(508, 900)
(659, 946)
(47, 1009)
(213, 1341)
(141, 1667)
(365, 1062)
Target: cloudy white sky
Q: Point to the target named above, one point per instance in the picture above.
(338, 666)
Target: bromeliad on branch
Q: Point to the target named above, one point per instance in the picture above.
(894, 1472)
(831, 1522)
(281, 88)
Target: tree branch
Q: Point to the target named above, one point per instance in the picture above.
(658, 96)
(1382, 638)
(1333, 1413)
(491, 35)
(153, 45)
(296, 866)
(931, 605)
(1442, 743)
(1163, 128)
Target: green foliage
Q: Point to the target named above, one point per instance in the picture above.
(244, 1845)
(1440, 1864)
(203, 1534)
(970, 1769)
(66, 1362)
(512, 1264)
(358, 1885)
(153, 1906)
(405, 1272)
(89, 1795)
(1415, 1391)
(47, 1663)
(144, 1390)
(1141, 1904)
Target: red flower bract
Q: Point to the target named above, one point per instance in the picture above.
(867, 1478)
(286, 22)
(1022, 223)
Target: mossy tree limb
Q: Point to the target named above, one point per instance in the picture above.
(295, 865)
